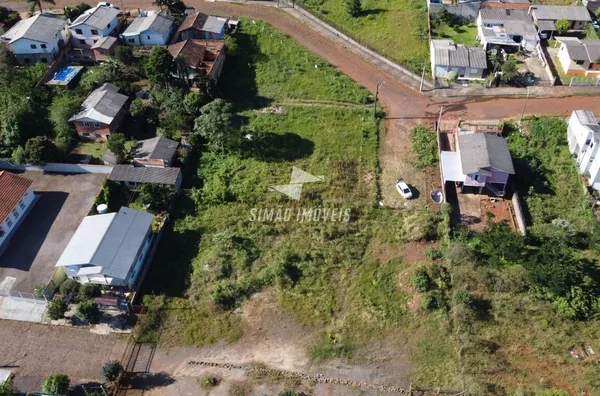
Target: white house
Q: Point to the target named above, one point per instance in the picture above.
(504, 27)
(37, 39)
(583, 134)
(109, 249)
(150, 28)
(92, 25)
(467, 63)
(16, 199)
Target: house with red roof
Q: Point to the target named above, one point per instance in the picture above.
(16, 199)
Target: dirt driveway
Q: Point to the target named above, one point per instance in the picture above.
(34, 351)
(38, 243)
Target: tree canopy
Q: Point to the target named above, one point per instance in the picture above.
(562, 26)
(56, 384)
(159, 65)
(216, 125)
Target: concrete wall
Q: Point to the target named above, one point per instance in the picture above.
(58, 168)
(11, 224)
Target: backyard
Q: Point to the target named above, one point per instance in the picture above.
(396, 29)
(465, 34)
(339, 287)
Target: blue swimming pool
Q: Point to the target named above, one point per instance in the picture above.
(65, 74)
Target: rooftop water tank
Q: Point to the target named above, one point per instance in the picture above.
(102, 208)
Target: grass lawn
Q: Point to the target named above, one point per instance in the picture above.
(328, 275)
(95, 149)
(460, 34)
(396, 29)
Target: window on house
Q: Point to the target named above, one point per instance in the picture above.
(86, 134)
(148, 37)
(473, 70)
(15, 214)
(22, 205)
(86, 124)
(43, 60)
(96, 125)
(579, 62)
(1, 232)
(476, 177)
(98, 136)
(107, 26)
(131, 40)
(44, 46)
(591, 144)
(587, 142)
(9, 223)
(78, 31)
(81, 41)
(33, 46)
(27, 61)
(94, 32)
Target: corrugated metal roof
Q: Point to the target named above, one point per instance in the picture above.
(105, 43)
(98, 17)
(484, 150)
(84, 243)
(102, 105)
(581, 50)
(40, 27)
(214, 24)
(554, 13)
(449, 54)
(153, 21)
(133, 174)
(155, 148)
(451, 166)
(514, 22)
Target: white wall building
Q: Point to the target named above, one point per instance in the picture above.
(92, 25)
(16, 199)
(37, 39)
(583, 134)
(109, 249)
(150, 28)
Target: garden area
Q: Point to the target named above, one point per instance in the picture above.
(338, 280)
(396, 29)
(445, 26)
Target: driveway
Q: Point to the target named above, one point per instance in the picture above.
(64, 200)
(34, 351)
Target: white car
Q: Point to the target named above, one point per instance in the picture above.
(403, 189)
(106, 4)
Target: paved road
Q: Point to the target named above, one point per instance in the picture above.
(400, 101)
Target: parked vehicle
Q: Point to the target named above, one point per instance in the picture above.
(107, 4)
(403, 189)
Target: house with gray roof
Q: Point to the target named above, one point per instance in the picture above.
(481, 162)
(149, 28)
(37, 39)
(200, 26)
(101, 113)
(155, 152)
(583, 135)
(507, 27)
(92, 25)
(579, 57)
(109, 249)
(130, 176)
(545, 17)
(467, 63)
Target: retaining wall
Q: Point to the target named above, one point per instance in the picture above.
(54, 167)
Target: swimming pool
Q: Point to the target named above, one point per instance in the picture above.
(66, 74)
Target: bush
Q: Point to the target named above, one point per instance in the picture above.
(430, 302)
(210, 382)
(434, 254)
(89, 291)
(7, 388)
(56, 309)
(424, 144)
(462, 297)
(88, 310)
(39, 290)
(111, 370)
(421, 281)
(56, 384)
(70, 287)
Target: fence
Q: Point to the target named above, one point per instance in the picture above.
(574, 82)
(54, 167)
(23, 295)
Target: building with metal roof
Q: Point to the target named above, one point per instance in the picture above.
(157, 151)
(579, 57)
(131, 175)
(583, 135)
(92, 25)
(507, 27)
(16, 199)
(201, 26)
(467, 63)
(150, 28)
(109, 249)
(545, 17)
(37, 39)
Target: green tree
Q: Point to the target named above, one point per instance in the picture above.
(40, 150)
(159, 65)
(216, 125)
(171, 6)
(111, 370)
(353, 7)
(500, 245)
(562, 26)
(116, 144)
(56, 384)
(124, 54)
(597, 13)
(231, 44)
(61, 110)
(509, 69)
(56, 309)
(3, 13)
(7, 388)
(89, 291)
(495, 57)
(70, 286)
(74, 13)
(157, 197)
(138, 108)
(18, 156)
(88, 310)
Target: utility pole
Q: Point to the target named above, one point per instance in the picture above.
(376, 96)
(524, 106)
(422, 79)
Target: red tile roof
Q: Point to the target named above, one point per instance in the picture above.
(12, 189)
(197, 53)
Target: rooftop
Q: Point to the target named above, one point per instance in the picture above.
(102, 105)
(41, 27)
(156, 148)
(133, 174)
(106, 43)
(152, 21)
(98, 17)
(107, 244)
(581, 50)
(589, 121)
(206, 23)
(484, 150)
(506, 22)
(449, 54)
(554, 13)
(12, 189)
(197, 53)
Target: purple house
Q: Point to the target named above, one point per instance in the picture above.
(481, 162)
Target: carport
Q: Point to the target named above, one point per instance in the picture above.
(451, 167)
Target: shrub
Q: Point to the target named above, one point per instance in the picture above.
(210, 381)
(429, 302)
(7, 388)
(434, 254)
(56, 384)
(353, 7)
(39, 290)
(463, 297)
(421, 281)
(69, 286)
(424, 144)
(56, 309)
(111, 370)
(89, 291)
(88, 310)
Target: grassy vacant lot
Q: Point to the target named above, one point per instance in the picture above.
(460, 34)
(343, 281)
(396, 29)
(95, 149)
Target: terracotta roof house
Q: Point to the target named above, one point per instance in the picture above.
(201, 26)
(16, 199)
(579, 57)
(155, 152)
(101, 113)
(199, 58)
